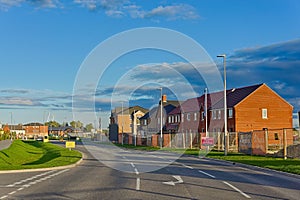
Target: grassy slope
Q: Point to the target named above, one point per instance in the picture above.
(33, 154)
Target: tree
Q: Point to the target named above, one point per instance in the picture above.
(76, 124)
(89, 127)
(52, 124)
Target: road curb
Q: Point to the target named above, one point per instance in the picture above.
(44, 169)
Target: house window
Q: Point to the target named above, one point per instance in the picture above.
(202, 115)
(219, 114)
(172, 118)
(214, 114)
(188, 116)
(178, 116)
(145, 122)
(169, 119)
(264, 113)
(230, 113)
(182, 117)
(195, 116)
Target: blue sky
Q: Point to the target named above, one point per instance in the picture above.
(44, 44)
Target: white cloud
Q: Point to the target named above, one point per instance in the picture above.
(6, 4)
(173, 12)
(17, 101)
(115, 8)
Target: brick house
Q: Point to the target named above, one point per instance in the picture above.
(251, 108)
(124, 122)
(255, 107)
(34, 130)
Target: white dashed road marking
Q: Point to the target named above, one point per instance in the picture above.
(238, 190)
(31, 183)
(207, 174)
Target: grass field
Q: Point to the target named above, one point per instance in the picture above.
(34, 154)
(288, 165)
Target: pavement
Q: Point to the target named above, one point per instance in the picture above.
(4, 144)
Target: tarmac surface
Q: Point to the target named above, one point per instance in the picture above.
(4, 144)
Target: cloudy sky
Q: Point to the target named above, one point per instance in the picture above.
(46, 45)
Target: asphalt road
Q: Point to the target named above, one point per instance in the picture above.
(152, 175)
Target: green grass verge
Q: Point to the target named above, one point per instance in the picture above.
(288, 165)
(34, 154)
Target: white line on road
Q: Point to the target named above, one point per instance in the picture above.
(136, 171)
(32, 182)
(238, 190)
(12, 192)
(187, 166)
(138, 184)
(132, 165)
(207, 174)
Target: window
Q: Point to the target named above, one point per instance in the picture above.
(178, 116)
(172, 118)
(219, 114)
(214, 114)
(182, 117)
(264, 113)
(188, 116)
(230, 113)
(169, 119)
(202, 115)
(145, 122)
(195, 116)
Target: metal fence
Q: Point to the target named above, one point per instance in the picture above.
(277, 142)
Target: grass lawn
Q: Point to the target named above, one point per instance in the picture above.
(288, 165)
(34, 154)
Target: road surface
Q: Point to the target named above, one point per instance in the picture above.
(128, 175)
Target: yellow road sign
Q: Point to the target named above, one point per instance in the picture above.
(70, 144)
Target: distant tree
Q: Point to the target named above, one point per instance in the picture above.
(89, 127)
(76, 124)
(52, 124)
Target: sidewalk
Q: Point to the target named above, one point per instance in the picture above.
(4, 144)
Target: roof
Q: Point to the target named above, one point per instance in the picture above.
(168, 108)
(129, 110)
(60, 128)
(215, 100)
(234, 96)
(15, 127)
(195, 104)
(34, 124)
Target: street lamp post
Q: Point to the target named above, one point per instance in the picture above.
(161, 135)
(226, 141)
(122, 123)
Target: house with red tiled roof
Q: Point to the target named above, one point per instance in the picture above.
(255, 107)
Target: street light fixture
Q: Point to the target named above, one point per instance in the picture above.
(226, 141)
